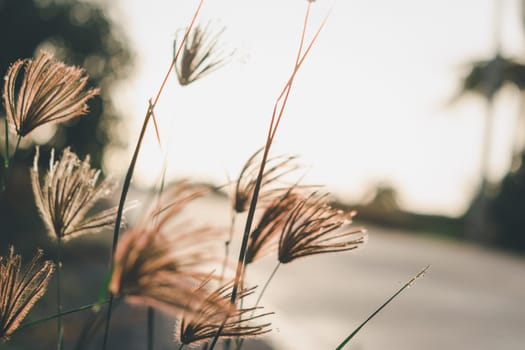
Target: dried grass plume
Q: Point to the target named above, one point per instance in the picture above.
(20, 288)
(216, 309)
(69, 190)
(160, 261)
(264, 238)
(271, 187)
(314, 227)
(201, 53)
(48, 92)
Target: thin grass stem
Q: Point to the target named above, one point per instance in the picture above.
(274, 123)
(227, 243)
(181, 346)
(52, 317)
(151, 327)
(60, 328)
(7, 158)
(16, 147)
(6, 150)
(408, 284)
(131, 168)
(266, 284)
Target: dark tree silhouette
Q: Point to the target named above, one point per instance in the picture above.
(508, 210)
(497, 217)
(77, 33)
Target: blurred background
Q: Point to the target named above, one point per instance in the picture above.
(410, 112)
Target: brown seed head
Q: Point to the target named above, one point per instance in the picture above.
(314, 227)
(276, 168)
(214, 310)
(201, 54)
(70, 189)
(159, 262)
(48, 92)
(265, 236)
(20, 289)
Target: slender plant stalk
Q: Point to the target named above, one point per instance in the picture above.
(408, 284)
(151, 311)
(131, 168)
(227, 244)
(278, 111)
(7, 159)
(181, 346)
(60, 328)
(266, 284)
(52, 317)
(6, 150)
(151, 327)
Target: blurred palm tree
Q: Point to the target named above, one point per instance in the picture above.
(485, 79)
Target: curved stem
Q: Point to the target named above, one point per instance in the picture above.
(81, 308)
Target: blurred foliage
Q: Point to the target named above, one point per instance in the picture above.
(78, 33)
(508, 210)
(487, 77)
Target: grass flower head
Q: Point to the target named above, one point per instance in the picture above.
(69, 190)
(20, 288)
(160, 261)
(48, 92)
(276, 168)
(201, 54)
(314, 227)
(216, 309)
(265, 236)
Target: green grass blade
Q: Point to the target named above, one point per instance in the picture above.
(408, 284)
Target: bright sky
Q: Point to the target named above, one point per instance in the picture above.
(369, 106)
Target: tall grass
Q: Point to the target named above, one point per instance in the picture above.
(163, 261)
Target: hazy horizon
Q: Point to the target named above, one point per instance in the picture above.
(370, 105)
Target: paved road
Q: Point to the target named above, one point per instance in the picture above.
(471, 298)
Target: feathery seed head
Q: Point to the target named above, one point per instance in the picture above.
(216, 309)
(69, 190)
(201, 54)
(20, 289)
(48, 92)
(276, 168)
(159, 262)
(314, 227)
(265, 236)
